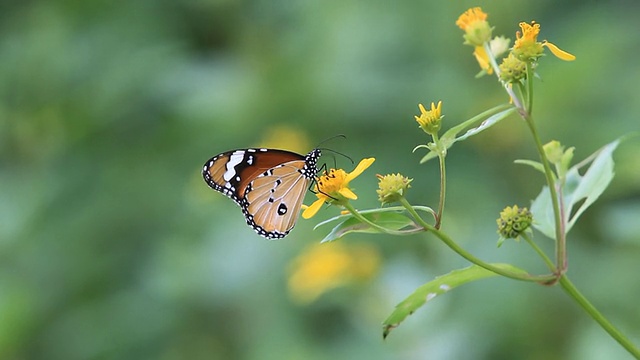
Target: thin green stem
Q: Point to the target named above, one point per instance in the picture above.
(415, 214)
(496, 69)
(462, 252)
(561, 244)
(537, 249)
(443, 189)
(529, 88)
(572, 291)
(543, 279)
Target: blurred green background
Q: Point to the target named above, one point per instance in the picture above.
(112, 246)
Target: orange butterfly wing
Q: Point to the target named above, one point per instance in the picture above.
(273, 200)
(269, 185)
(231, 171)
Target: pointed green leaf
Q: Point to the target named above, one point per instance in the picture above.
(438, 286)
(387, 220)
(449, 137)
(492, 120)
(534, 164)
(542, 211)
(593, 183)
(430, 155)
(575, 189)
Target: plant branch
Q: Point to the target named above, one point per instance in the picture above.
(572, 291)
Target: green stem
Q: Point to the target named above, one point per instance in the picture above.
(572, 291)
(462, 252)
(537, 249)
(529, 88)
(561, 243)
(415, 214)
(455, 247)
(496, 69)
(443, 189)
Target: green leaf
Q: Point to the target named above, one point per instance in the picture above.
(387, 220)
(543, 217)
(584, 189)
(492, 120)
(438, 286)
(593, 183)
(449, 137)
(534, 164)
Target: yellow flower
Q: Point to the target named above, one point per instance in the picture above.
(474, 23)
(333, 187)
(430, 120)
(322, 267)
(527, 47)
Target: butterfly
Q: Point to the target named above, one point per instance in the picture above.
(268, 184)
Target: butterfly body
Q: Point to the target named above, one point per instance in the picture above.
(268, 184)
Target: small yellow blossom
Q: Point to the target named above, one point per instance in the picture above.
(513, 221)
(333, 187)
(527, 48)
(323, 267)
(430, 120)
(392, 187)
(474, 23)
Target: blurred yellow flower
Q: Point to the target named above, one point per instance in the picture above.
(333, 187)
(527, 47)
(285, 137)
(430, 120)
(323, 267)
(474, 23)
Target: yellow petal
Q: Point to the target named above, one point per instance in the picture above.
(310, 211)
(346, 192)
(559, 53)
(483, 59)
(362, 166)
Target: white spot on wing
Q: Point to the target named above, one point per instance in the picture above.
(445, 287)
(235, 159)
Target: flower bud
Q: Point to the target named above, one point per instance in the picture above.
(392, 187)
(513, 221)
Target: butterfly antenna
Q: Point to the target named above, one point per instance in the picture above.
(331, 138)
(338, 153)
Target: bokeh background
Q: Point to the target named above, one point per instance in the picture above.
(112, 246)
